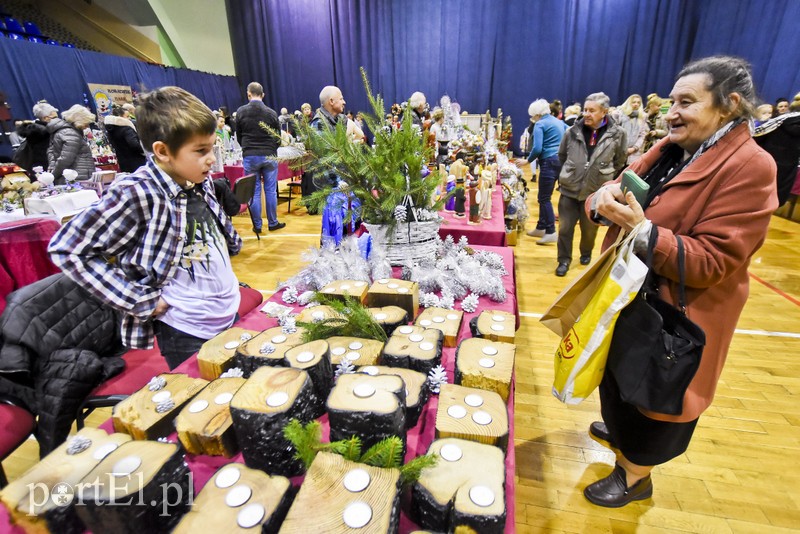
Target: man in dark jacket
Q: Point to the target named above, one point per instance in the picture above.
(259, 150)
(33, 150)
(781, 138)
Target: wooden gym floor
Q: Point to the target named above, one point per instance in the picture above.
(739, 474)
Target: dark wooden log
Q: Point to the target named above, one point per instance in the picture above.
(414, 347)
(269, 399)
(394, 292)
(267, 349)
(148, 483)
(370, 407)
(389, 317)
(314, 358)
(448, 321)
(324, 503)
(149, 414)
(494, 325)
(464, 491)
(416, 388)
(216, 355)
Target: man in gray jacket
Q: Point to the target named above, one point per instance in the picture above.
(592, 152)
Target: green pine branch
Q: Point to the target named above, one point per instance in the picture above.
(352, 319)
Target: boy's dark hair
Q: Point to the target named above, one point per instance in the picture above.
(172, 115)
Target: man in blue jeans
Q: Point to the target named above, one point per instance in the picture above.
(259, 149)
(547, 134)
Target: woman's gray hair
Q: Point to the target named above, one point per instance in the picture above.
(539, 107)
(43, 109)
(726, 75)
(417, 99)
(78, 114)
(600, 98)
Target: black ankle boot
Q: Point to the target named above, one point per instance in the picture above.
(613, 491)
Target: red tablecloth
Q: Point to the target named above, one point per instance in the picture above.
(490, 232)
(23, 254)
(419, 437)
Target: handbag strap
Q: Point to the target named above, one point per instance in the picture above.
(681, 275)
(650, 287)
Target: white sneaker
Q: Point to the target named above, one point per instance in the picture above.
(548, 238)
(535, 232)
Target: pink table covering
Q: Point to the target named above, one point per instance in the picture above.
(490, 232)
(419, 437)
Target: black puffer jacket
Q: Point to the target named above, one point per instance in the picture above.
(125, 141)
(58, 344)
(34, 152)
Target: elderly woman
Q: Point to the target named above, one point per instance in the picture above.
(417, 104)
(632, 120)
(546, 138)
(68, 149)
(713, 186)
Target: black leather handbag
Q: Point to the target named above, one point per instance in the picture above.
(655, 349)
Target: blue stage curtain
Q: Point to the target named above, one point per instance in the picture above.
(487, 54)
(31, 72)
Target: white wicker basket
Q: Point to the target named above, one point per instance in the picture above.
(407, 241)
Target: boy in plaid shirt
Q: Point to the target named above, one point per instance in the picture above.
(157, 246)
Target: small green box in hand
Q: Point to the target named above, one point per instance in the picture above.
(632, 182)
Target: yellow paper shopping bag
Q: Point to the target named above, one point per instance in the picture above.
(581, 356)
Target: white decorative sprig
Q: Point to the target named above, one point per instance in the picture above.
(78, 444)
(428, 300)
(470, 303)
(245, 337)
(305, 298)
(345, 367)
(156, 383)
(447, 301)
(267, 348)
(288, 326)
(436, 377)
(233, 372)
(165, 406)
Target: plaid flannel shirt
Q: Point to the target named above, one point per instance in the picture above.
(124, 249)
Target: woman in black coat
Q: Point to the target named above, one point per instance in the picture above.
(124, 140)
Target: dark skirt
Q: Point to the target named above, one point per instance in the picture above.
(641, 440)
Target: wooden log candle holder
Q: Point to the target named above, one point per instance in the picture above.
(370, 407)
(394, 292)
(314, 358)
(204, 425)
(266, 349)
(472, 414)
(238, 499)
(417, 391)
(494, 325)
(464, 491)
(358, 350)
(31, 499)
(485, 364)
(414, 347)
(148, 483)
(216, 355)
(341, 497)
(340, 289)
(448, 321)
(316, 314)
(149, 413)
(389, 317)
(269, 399)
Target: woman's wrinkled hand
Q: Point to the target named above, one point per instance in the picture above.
(621, 209)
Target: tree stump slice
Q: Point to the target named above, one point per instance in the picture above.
(448, 321)
(341, 347)
(249, 356)
(324, 503)
(340, 289)
(496, 326)
(214, 358)
(442, 498)
(394, 292)
(204, 425)
(414, 347)
(27, 498)
(416, 388)
(472, 414)
(213, 510)
(317, 314)
(485, 364)
(370, 407)
(269, 399)
(314, 358)
(150, 477)
(389, 317)
(137, 415)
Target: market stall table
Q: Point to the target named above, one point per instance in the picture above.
(490, 232)
(234, 172)
(419, 437)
